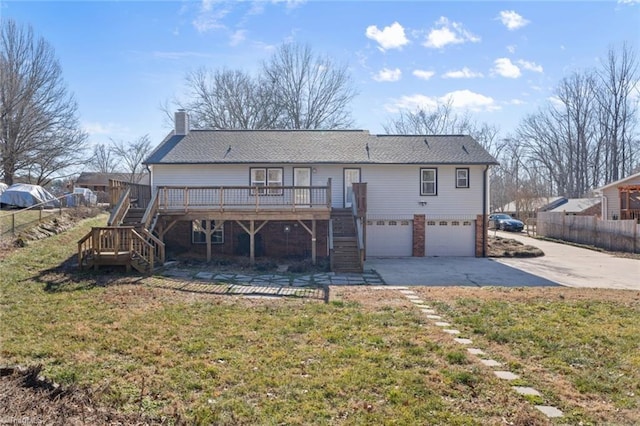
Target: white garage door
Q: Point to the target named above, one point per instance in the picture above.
(447, 237)
(389, 238)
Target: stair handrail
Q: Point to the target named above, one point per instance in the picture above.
(355, 210)
(84, 249)
(145, 251)
(120, 210)
(159, 248)
(151, 211)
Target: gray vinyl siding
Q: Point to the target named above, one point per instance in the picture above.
(393, 191)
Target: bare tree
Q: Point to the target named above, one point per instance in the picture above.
(224, 99)
(39, 130)
(618, 88)
(311, 91)
(103, 159)
(295, 89)
(442, 120)
(131, 155)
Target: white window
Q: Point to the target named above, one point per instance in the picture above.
(198, 235)
(267, 177)
(462, 178)
(428, 181)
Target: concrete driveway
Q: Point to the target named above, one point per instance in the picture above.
(562, 265)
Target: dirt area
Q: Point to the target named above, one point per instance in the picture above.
(507, 247)
(28, 398)
(47, 228)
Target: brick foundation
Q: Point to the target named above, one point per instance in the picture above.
(271, 241)
(418, 235)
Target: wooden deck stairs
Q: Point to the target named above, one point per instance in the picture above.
(127, 240)
(345, 254)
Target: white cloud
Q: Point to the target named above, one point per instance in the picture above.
(463, 73)
(512, 20)
(391, 37)
(459, 99)
(423, 74)
(628, 1)
(387, 74)
(238, 37)
(210, 17)
(516, 102)
(466, 99)
(446, 32)
(505, 68)
(95, 128)
(412, 103)
(511, 48)
(530, 66)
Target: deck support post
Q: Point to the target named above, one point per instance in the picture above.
(311, 231)
(252, 231)
(252, 242)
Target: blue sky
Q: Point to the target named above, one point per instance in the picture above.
(498, 60)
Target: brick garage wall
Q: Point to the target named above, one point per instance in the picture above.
(481, 243)
(271, 241)
(418, 235)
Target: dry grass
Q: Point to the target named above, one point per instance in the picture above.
(368, 357)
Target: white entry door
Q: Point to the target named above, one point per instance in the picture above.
(302, 177)
(351, 176)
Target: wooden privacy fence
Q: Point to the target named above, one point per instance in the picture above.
(614, 235)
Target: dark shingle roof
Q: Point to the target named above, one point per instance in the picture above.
(316, 146)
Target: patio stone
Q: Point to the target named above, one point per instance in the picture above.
(506, 375)
(451, 331)
(204, 275)
(490, 362)
(428, 311)
(524, 390)
(463, 341)
(549, 411)
(475, 351)
(442, 324)
(434, 317)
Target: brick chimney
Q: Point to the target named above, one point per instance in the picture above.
(181, 122)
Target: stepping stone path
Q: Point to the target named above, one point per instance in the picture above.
(547, 410)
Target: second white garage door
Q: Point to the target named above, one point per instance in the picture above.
(389, 238)
(450, 238)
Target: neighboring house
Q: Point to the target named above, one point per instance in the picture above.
(99, 182)
(529, 207)
(579, 207)
(621, 199)
(339, 194)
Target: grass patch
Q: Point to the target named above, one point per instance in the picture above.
(580, 344)
(210, 359)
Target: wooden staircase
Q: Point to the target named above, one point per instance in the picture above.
(345, 256)
(127, 240)
(133, 217)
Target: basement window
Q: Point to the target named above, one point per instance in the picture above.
(198, 234)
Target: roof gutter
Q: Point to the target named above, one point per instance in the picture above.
(484, 211)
